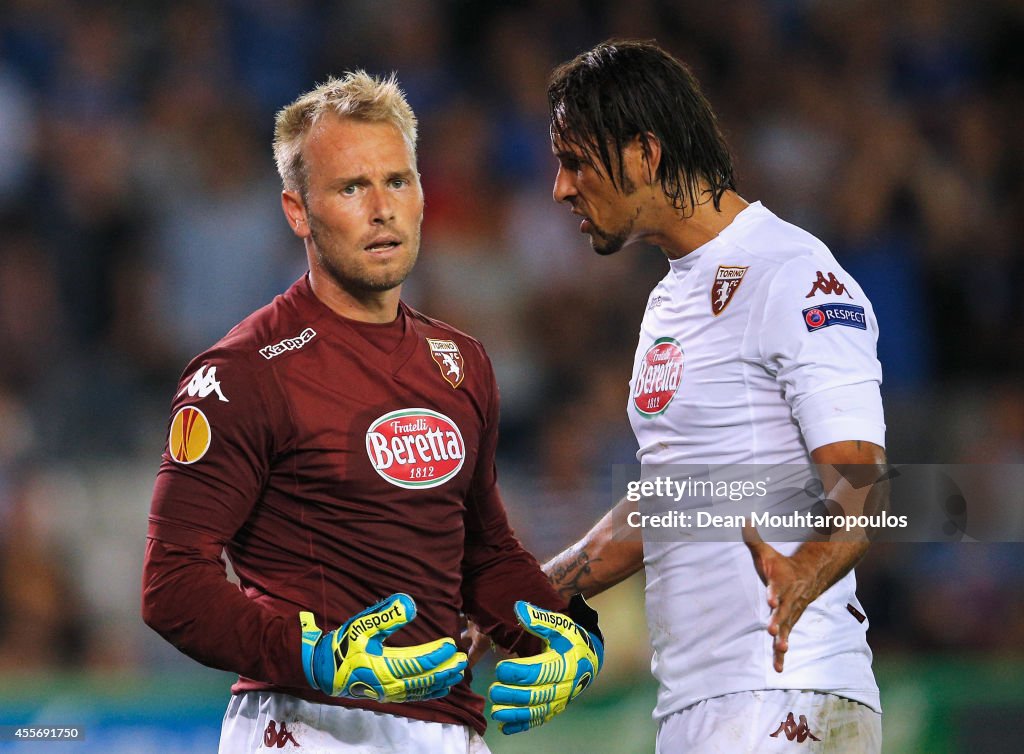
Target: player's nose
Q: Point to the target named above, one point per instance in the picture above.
(565, 185)
(382, 208)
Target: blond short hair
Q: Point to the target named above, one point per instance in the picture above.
(356, 95)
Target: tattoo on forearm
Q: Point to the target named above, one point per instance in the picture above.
(571, 577)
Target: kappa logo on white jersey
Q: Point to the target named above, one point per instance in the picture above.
(448, 358)
(203, 383)
(828, 286)
(727, 280)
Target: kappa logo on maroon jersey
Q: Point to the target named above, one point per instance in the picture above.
(448, 358)
(288, 344)
(793, 730)
(277, 738)
(727, 280)
(828, 285)
(203, 382)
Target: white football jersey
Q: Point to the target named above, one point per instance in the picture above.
(756, 348)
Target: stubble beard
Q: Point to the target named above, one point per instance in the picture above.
(605, 243)
(359, 279)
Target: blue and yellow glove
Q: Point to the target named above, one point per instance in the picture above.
(353, 662)
(532, 690)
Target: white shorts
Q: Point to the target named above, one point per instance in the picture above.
(263, 721)
(797, 722)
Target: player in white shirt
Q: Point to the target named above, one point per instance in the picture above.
(756, 348)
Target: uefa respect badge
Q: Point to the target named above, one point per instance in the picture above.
(848, 315)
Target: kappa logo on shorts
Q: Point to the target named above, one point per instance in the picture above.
(278, 738)
(793, 730)
(826, 315)
(857, 614)
(448, 358)
(190, 435)
(727, 280)
(203, 383)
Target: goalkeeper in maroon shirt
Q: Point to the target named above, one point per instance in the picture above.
(339, 447)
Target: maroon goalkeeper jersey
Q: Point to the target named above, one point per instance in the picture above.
(336, 462)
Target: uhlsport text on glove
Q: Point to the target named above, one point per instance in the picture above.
(531, 690)
(353, 662)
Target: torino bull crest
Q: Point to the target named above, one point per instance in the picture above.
(448, 358)
(727, 280)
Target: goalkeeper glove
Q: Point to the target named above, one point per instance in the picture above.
(353, 662)
(531, 690)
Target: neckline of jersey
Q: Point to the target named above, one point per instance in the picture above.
(401, 352)
(749, 213)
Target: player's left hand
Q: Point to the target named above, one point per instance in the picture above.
(790, 590)
(531, 690)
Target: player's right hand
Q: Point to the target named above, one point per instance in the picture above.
(353, 662)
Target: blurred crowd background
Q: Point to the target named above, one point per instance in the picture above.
(140, 219)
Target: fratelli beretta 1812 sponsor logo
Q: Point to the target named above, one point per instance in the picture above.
(658, 377)
(415, 447)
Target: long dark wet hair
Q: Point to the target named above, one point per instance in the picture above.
(603, 98)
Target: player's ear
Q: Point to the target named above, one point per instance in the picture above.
(295, 212)
(651, 150)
